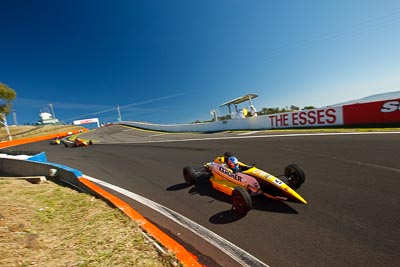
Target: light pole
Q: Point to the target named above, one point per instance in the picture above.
(119, 114)
(4, 122)
(52, 111)
(15, 117)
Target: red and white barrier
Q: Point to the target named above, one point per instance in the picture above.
(378, 112)
(307, 118)
(387, 111)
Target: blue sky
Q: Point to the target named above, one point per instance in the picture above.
(174, 61)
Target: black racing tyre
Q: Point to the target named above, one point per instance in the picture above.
(294, 176)
(241, 200)
(189, 174)
(90, 142)
(192, 174)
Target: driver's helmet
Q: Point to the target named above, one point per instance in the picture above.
(233, 163)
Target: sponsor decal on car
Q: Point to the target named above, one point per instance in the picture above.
(258, 172)
(278, 182)
(230, 174)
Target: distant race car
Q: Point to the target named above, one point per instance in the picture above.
(55, 141)
(77, 143)
(248, 182)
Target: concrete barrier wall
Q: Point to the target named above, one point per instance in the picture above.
(309, 118)
(235, 124)
(36, 164)
(16, 167)
(376, 112)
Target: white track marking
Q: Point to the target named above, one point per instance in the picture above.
(157, 134)
(257, 136)
(248, 133)
(236, 253)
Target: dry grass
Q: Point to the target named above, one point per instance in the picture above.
(51, 225)
(18, 132)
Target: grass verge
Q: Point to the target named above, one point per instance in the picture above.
(51, 225)
(18, 132)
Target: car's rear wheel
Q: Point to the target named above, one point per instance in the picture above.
(241, 200)
(190, 175)
(294, 176)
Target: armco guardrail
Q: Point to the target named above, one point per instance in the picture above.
(378, 112)
(34, 167)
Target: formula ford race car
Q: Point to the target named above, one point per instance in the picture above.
(77, 143)
(249, 181)
(55, 141)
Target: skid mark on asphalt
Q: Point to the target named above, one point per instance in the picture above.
(236, 253)
(345, 160)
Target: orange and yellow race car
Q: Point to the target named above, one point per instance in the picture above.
(55, 141)
(77, 142)
(247, 181)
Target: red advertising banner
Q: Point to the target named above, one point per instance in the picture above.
(387, 111)
(87, 121)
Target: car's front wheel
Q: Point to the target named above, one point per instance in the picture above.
(294, 176)
(241, 200)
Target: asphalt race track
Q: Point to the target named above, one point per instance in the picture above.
(352, 187)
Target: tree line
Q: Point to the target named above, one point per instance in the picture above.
(264, 111)
(7, 95)
(268, 111)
